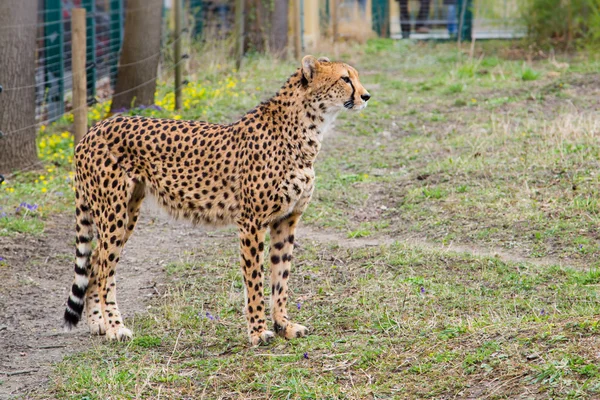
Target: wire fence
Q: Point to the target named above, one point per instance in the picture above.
(105, 25)
(53, 76)
(447, 19)
(105, 28)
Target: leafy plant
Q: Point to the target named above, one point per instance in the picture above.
(529, 75)
(562, 24)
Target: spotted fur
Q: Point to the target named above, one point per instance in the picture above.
(256, 173)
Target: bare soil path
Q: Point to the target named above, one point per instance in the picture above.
(34, 287)
(326, 236)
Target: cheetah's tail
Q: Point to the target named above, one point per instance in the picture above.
(85, 234)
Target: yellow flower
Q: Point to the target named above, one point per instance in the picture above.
(44, 190)
(65, 135)
(42, 177)
(473, 101)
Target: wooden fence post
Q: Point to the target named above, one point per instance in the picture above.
(78, 50)
(178, 59)
(297, 30)
(55, 69)
(239, 32)
(91, 69)
(334, 19)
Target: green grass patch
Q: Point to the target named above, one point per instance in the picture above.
(529, 74)
(511, 164)
(385, 321)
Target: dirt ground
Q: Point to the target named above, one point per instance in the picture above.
(34, 288)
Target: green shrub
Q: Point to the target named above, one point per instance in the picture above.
(527, 74)
(564, 24)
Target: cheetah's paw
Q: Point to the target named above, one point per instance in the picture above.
(121, 334)
(97, 327)
(291, 331)
(263, 337)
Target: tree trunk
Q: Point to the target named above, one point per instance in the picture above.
(17, 77)
(279, 28)
(138, 65)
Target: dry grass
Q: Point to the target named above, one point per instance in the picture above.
(482, 152)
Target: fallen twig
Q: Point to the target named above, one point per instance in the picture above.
(53, 346)
(21, 372)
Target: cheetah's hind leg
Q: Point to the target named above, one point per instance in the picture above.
(115, 222)
(93, 308)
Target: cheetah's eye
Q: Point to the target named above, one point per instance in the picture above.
(346, 79)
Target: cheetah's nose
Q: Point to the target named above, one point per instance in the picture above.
(365, 97)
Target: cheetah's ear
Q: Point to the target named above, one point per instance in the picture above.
(324, 59)
(310, 65)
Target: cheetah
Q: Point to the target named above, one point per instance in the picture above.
(256, 173)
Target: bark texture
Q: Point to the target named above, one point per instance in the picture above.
(279, 27)
(17, 77)
(138, 64)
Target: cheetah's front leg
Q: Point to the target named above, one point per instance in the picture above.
(282, 245)
(252, 243)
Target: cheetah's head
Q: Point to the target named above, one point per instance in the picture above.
(335, 83)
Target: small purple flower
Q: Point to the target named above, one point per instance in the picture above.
(120, 110)
(2, 259)
(299, 305)
(422, 290)
(155, 107)
(3, 214)
(580, 246)
(59, 194)
(209, 316)
(543, 312)
(30, 207)
(306, 356)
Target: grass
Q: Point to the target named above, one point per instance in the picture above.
(494, 152)
(31, 196)
(483, 151)
(457, 325)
